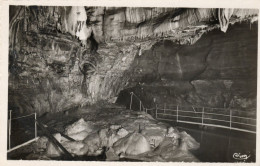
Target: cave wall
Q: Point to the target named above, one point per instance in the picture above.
(44, 74)
(219, 70)
(51, 70)
(59, 59)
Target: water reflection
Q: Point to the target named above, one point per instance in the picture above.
(220, 145)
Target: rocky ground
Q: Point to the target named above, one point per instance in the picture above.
(111, 133)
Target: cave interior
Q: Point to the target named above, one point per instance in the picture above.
(98, 74)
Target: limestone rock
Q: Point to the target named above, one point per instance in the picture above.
(154, 134)
(111, 156)
(79, 136)
(173, 133)
(188, 143)
(122, 132)
(52, 150)
(80, 127)
(75, 147)
(115, 127)
(133, 144)
(92, 144)
(42, 142)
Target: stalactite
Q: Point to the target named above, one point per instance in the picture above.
(223, 17)
(75, 23)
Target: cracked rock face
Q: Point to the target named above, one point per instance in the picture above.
(64, 57)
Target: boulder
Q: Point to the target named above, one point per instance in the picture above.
(92, 144)
(42, 142)
(187, 142)
(75, 147)
(79, 136)
(133, 144)
(122, 132)
(80, 125)
(172, 132)
(154, 133)
(115, 127)
(110, 155)
(79, 130)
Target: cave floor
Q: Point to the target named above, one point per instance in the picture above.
(109, 114)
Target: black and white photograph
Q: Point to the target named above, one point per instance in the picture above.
(131, 83)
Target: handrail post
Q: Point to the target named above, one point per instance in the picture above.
(230, 120)
(202, 116)
(35, 125)
(69, 81)
(140, 106)
(177, 112)
(156, 111)
(10, 129)
(131, 100)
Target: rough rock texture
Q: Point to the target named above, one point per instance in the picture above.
(219, 70)
(65, 57)
(79, 130)
(133, 144)
(119, 133)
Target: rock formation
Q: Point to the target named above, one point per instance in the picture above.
(65, 57)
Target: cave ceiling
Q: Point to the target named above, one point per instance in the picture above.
(126, 24)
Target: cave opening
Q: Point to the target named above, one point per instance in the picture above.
(132, 84)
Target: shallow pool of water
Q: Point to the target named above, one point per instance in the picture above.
(221, 145)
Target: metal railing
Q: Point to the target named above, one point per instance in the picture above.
(10, 148)
(206, 116)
